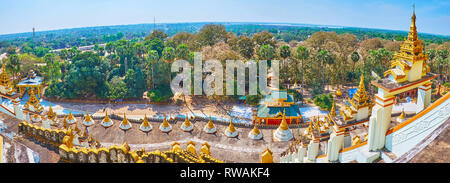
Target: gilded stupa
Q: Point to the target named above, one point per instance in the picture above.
(165, 126)
(106, 122)
(51, 116)
(88, 120)
(125, 125)
(210, 127)
(359, 104)
(409, 64)
(187, 125)
(283, 133)
(402, 116)
(255, 133)
(71, 119)
(145, 126)
(231, 131)
(6, 85)
(34, 105)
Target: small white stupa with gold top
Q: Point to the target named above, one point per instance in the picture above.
(70, 118)
(402, 116)
(231, 131)
(88, 120)
(145, 126)
(125, 125)
(210, 127)
(255, 134)
(187, 125)
(106, 122)
(165, 126)
(283, 133)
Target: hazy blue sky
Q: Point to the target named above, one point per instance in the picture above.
(21, 15)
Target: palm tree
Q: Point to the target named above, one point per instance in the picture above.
(302, 53)
(324, 58)
(285, 52)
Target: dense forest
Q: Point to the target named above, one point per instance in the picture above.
(134, 61)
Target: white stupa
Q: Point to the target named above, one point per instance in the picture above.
(231, 132)
(125, 125)
(255, 134)
(283, 133)
(402, 116)
(145, 126)
(71, 119)
(187, 125)
(210, 127)
(165, 126)
(106, 122)
(88, 120)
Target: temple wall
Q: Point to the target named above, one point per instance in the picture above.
(404, 139)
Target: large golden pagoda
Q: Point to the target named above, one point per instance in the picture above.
(409, 64)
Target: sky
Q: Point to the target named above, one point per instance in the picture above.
(433, 16)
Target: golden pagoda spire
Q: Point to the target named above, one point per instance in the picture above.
(145, 123)
(70, 115)
(88, 118)
(402, 115)
(361, 87)
(210, 124)
(231, 127)
(283, 124)
(187, 122)
(165, 124)
(106, 119)
(125, 120)
(413, 29)
(50, 113)
(125, 125)
(255, 130)
(333, 110)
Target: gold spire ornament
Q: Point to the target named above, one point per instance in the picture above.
(165, 127)
(145, 126)
(71, 119)
(87, 120)
(186, 126)
(210, 127)
(125, 125)
(106, 122)
(231, 132)
(255, 133)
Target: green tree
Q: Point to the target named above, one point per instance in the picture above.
(159, 34)
(302, 54)
(117, 89)
(246, 46)
(13, 65)
(182, 52)
(210, 34)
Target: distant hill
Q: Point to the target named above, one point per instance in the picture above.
(64, 38)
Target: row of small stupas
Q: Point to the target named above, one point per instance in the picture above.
(49, 118)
